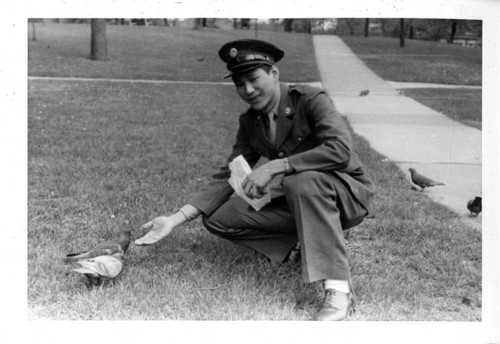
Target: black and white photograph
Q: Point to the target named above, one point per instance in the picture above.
(224, 173)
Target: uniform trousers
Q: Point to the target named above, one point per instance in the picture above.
(316, 208)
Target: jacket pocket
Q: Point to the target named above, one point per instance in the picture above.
(297, 137)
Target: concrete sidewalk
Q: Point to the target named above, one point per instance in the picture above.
(405, 131)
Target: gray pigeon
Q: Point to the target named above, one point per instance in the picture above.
(115, 248)
(364, 93)
(421, 180)
(100, 268)
(475, 206)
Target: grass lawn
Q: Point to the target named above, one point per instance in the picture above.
(463, 105)
(103, 156)
(156, 53)
(418, 61)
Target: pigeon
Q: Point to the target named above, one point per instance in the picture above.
(421, 180)
(100, 268)
(475, 206)
(364, 93)
(115, 248)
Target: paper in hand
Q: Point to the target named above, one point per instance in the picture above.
(239, 170)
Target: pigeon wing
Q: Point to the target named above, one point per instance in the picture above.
(104, 266)
(421, 180)
(105, 249)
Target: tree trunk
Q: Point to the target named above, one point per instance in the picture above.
(401, 33)
(453, 31)
(308, 26)
(99, 43)
(287, 25)
(34, 31)
(367, 27)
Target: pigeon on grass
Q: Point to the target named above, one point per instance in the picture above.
(100, 268)
(475, 206)
(115, 248)
(422, 181)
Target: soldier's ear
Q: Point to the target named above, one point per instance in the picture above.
(275, 72)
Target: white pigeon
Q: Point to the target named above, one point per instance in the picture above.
(99, 268)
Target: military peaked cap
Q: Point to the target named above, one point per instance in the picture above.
(245, 55)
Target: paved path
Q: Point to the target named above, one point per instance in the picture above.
(405, 131)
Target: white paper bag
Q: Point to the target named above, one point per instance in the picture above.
(239, 170)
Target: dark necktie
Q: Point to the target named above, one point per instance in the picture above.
(272, 126)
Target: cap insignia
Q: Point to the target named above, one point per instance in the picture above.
(233, 52)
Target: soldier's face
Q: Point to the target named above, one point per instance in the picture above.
(258, 88)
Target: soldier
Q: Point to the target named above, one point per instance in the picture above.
(323, 187)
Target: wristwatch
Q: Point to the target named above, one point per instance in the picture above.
(288, 169)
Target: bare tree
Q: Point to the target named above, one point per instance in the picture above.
(411, 33)
(453, 31)
(288, 25)
(98, 39)
(200, 22)
(308, 26)
(367, 27)
(401, 33)
(33, 27)
(350, 23)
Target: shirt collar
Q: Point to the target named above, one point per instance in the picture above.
(276, 106)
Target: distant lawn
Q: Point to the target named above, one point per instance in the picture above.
(157, 53)
(463, 105)
(418, 61)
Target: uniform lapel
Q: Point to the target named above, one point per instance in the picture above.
(285, 116)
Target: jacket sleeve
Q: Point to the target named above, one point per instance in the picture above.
(334, 150)
(217, 190)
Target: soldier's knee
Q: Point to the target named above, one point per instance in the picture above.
(304, 182)
(211, 224)
(220, 226)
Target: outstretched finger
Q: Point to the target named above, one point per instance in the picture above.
(143, 240)
(139, 242)
(147, 225)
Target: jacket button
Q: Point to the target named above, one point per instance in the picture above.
(281, 154)
(299, 138)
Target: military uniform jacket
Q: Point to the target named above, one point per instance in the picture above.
(309, 131)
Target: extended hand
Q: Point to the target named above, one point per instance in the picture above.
(160, 227)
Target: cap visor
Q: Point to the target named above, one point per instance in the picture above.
(246, 69)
